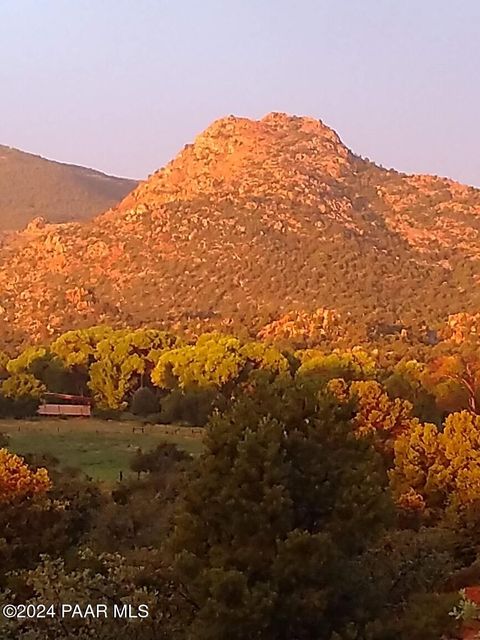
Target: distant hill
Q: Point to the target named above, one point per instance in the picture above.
(31, 186)
(268, 227)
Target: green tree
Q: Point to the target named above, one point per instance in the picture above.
(108, 579)
(408, 382)
(140, 511)
(275, 507)
(46, 366)
(193, 406)
(144, 402)
(390, 580)
(46, 523)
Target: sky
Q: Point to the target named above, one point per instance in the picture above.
(123, 85)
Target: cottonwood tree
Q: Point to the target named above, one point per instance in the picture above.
(436, 472)
(18, 481)
(375, 413)
(123, 360)
(454, 376)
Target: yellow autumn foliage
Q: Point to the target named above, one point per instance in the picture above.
(441, 468)
(17, 480)
(375, 412)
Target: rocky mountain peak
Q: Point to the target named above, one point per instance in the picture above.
(277, 154)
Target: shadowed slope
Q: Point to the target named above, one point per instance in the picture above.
(31, 186)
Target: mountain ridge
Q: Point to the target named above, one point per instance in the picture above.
(32, 186)
(255, 221)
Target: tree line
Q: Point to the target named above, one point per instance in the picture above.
(154, 373)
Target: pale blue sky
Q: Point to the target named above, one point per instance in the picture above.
(122, 85)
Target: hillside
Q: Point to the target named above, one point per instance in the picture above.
(269, 226)
(31, 186)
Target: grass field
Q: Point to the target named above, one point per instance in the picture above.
(99, 448)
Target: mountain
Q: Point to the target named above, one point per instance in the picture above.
(272, 227)
(31, 186)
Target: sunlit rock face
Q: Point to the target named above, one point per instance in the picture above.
(259, 226)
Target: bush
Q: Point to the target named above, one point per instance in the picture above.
(161, 459)
(20, 407)
(426, 617)
(144, 402)
(24, 407)
(191, 407)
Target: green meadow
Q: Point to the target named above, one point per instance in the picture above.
(101, 449)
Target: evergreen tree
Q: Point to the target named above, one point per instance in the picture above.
(275, 509)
